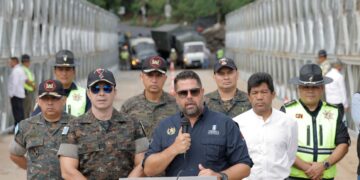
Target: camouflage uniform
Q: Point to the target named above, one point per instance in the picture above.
(105, 149)
(150, 113)
(41, 139)
(237, 105)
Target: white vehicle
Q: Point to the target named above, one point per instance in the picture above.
(194, 54)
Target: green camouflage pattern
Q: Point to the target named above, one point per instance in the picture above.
(239, 104)
(42, 140)
(149, 113)
(104, 153)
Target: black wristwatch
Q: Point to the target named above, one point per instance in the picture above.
(326, 165)
(223, 176)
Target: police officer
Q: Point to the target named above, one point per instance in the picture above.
(40, 135)
(77, 102)
(103, 143)
(154, 104)
(213, 143)
(227, 99)
(323, 139)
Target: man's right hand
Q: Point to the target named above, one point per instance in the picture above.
(182, 142)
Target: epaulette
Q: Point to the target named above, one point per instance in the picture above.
(290, 103)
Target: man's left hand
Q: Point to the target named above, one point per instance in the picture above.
(208, 172)
(316, 170)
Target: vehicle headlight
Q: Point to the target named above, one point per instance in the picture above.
(135, 62)
(186, 60)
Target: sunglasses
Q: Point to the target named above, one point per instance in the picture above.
(184, 93)
(106, 88)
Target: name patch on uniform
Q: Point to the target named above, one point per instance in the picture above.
(299, 116)
(328, 115)
(171, 131)
(65, 130)
(213, 131)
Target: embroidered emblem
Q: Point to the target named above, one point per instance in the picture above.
(328, 115)
(50, 86)
(65, 58)
(171, 131)
(76, 97)
(213, 131)
(223, 61)
(155, 62)
(100, 72)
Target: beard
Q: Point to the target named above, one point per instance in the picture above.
(193, 111)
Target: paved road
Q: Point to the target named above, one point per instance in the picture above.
(129, 84)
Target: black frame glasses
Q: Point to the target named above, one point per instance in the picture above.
(193, 92)
(106, 88)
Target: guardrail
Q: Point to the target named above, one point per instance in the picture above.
(279, 36)
(40, 28)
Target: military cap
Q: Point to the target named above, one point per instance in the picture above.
(100, 75)
(64, 58)
(51, 88)
(154, 63)
(224, 62)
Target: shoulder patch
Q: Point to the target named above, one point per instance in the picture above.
(290, 103)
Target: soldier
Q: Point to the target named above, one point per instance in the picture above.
(153, 104)
(227, 99)
(77, 102)
(40, 135)
(103, 143)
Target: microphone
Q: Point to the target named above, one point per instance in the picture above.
(185, 123)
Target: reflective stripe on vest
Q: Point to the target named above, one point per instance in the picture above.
(326, 122)
(30, 77)
(76, 102)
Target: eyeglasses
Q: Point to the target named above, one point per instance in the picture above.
(106, 88)
(184, 93)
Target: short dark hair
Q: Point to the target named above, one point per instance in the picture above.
(14, 59)
(187, 75)
(261, 77)
(25, 57)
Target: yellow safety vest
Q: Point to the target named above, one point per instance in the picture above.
(76, 102)
(325, 128)
(30, 77)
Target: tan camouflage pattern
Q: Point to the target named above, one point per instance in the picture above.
(149, 113)
(104, 154)
(42, 140)
(239, 104)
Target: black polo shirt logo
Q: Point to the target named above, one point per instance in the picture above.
(213, 131)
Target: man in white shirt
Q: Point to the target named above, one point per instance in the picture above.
(270, 134)
(335, 91)
(16, 91)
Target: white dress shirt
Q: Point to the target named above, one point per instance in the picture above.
(335, 91)
(272, 143)
(16, 82)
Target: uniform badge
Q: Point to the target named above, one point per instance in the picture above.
(77, 97)
(213, 131)
(328, 115)
(171, 131)
(65, 130)
(298, 116)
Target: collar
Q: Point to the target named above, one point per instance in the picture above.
(63, 119)
(239, 96)
(260, 118)
(165, 97)
(90, 118)
(315, 112)
(201, 116)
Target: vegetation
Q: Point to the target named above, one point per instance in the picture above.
(182, 10)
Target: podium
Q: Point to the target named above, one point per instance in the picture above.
(174, 178)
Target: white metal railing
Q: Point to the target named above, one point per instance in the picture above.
(279, 36)
(40, 28)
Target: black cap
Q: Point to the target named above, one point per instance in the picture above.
(224, 62)
(64, 58)
(322, 53)
(51, 88)
(100, 75)
(311, 75)
(25, 57)
(154, 63)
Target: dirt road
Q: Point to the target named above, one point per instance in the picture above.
(129, 84)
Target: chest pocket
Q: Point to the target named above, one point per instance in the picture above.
(88, 146)
(214, 148)
(35, 148)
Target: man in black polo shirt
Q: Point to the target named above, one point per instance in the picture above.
(197, 141)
